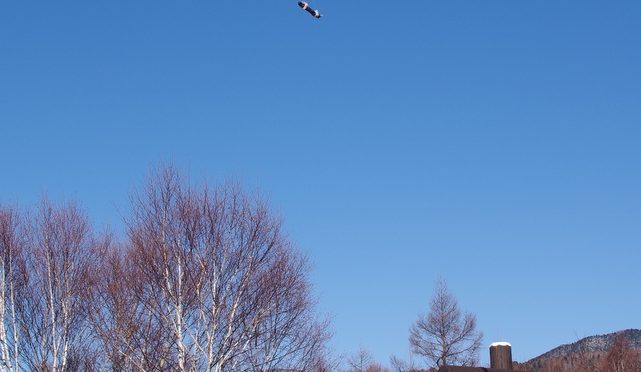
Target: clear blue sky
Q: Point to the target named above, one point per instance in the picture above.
(494, 143)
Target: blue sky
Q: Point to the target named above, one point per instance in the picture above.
(493, 143)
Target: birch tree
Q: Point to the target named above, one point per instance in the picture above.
(207, 281)
(56, 275)
(12, 242)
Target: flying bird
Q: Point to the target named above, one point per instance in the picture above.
(309, 10)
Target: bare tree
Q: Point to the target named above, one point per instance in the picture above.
(359, 361)
(12, 243)
(621, 357)
(400, 365)
(326, 362)
(363, 361)
(444, 336)
(207, 281)
(55, 275)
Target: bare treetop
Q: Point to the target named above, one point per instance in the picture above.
(205, 281)
(445, 336)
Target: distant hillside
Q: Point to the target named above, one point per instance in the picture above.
(592, 349)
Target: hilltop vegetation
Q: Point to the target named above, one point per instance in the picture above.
(613, 352)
